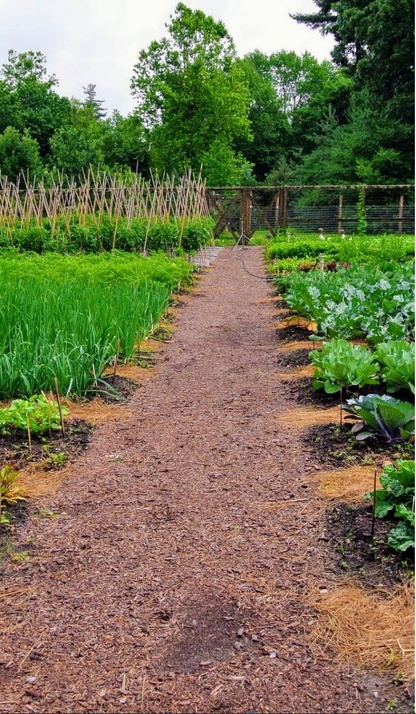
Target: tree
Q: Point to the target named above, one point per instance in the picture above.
(32, 105)
(93, 102)
(18, 153)
(24, 66)
(270, 125)
(80, 143)
(126, 143)
(190, 91)
(375, 42)
(290, 96)
(344, 19)
(224, 167)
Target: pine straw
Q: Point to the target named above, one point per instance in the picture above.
(96, 411)
(131, 371)
(295, 321)
(302, 418)
(299, 345)
(374, 630)
(350, 484)
(269, 300)
(304, 371)
(35, 482)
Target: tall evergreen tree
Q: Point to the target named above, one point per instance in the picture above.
(92, 101)
(374, 41)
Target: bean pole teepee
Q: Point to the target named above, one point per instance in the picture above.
(100, 195)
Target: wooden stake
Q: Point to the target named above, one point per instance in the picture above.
(58, 399)
(29, 435)
(373, 520)
(116, 358)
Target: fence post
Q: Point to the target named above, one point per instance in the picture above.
(282, 203)
(277, 211)
(245, 214)
(401, 214)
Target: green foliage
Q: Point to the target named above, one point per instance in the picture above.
(290, 99)
(396, 499)
(94, 233)
(65, 317)
(79, 143)
(384, 416)
(397, 360)
(191, 93)
(335, 302)
(223, 167)
(374, 42)
(361, 213)
(196, 233)
(18, 153)
(38, 110)
(360, 250)
(38, 414)
(307, 248)
(340, 364)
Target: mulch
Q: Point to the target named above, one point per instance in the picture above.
(173, 569)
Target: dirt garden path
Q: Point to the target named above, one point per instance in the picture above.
(175, 577)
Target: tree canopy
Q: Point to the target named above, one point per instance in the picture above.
(280, 118)
(190, 92)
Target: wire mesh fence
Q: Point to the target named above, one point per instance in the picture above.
(331, 209)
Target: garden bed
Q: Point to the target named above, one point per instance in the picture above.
(180, 563)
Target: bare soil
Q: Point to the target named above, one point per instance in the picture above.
(52, 450)
(350, 537)
(173, 569)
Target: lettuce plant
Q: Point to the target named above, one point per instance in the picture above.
(37, 413)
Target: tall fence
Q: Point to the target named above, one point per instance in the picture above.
(341, 208)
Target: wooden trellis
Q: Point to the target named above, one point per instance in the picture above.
(101, 194)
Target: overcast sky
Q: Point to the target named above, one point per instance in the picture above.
(98, 41)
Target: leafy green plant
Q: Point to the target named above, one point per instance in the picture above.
(341, 364)
(396, 499)
(93, 233)
(397, 360)
(38, 414)
(392, 419)
(334, 300)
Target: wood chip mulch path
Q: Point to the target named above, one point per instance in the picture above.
(175, 576)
